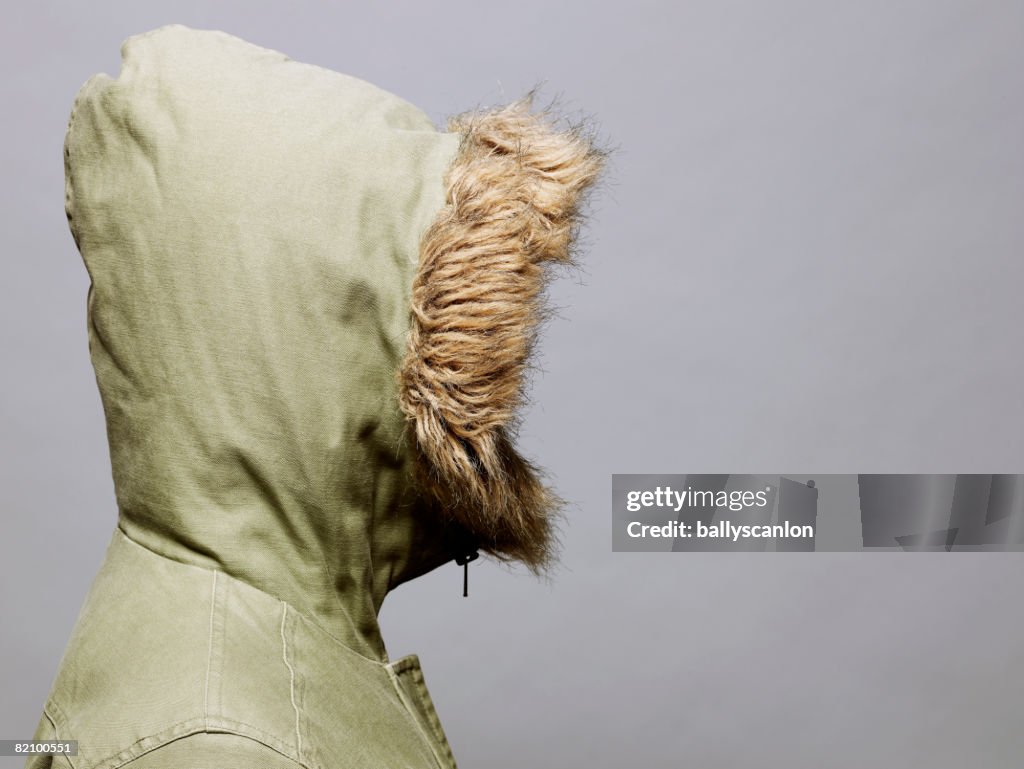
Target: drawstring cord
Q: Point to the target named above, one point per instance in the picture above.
(463, 561)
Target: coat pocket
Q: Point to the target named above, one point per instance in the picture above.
(407, 676)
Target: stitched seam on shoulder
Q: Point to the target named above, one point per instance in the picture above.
(220, 730)
(113, 762)
(291, 683)
(220, 724)
(209, 656)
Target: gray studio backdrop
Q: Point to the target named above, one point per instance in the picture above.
(808, 256)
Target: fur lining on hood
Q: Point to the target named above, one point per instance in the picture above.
(513, 208)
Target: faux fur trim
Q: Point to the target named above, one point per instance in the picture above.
(514, 193)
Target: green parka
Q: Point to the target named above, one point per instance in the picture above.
(309, 316)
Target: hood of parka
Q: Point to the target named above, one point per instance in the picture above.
(251, 228)
(311, 315)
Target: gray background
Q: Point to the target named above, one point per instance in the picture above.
(808, 256)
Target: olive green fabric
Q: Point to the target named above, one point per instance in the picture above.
(164, 649)
(250, 225)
